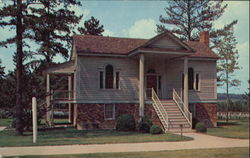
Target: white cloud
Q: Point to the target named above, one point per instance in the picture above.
(144, 28)
(108, 32)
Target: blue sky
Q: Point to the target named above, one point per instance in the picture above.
(138, 19)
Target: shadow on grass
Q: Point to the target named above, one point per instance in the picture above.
(227, 123)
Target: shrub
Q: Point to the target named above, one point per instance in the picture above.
(155, 129)
(200, 127)
(144, 125)
(125, 122)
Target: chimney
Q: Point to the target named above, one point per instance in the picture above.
(204, 37)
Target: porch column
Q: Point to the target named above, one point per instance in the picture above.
(49, 112)
(74, 96)
(69, 96)
(185, 98)
(141, 86)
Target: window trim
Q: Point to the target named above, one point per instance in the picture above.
(115, 71)
(113, 112)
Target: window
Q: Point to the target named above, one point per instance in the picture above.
(193, 80)
(109, 77)
(197, 81)
(101, 79)
(117, 78)
(159, 82)
(190, 78)
(109, 111)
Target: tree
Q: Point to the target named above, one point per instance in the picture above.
(53, 26)
(92, 27)
(187, 18)
(228, 63)
(12, 15)
(41, 25)
(1, 71)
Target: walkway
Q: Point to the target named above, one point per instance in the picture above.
(200, 141)
(2, 128)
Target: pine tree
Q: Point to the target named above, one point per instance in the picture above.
(48, 26)
(92, 27)
(53, 26)
(187, 18)
(228, 63)
(12, 15)
(1, 71)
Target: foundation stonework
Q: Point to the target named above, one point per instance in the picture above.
(207, 113)
(91, 116)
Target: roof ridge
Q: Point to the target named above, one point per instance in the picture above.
(112, 37)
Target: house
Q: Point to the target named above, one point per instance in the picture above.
(171, 81)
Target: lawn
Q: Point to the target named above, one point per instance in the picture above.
(63, 136)
(234, 129)
(195, 153)
(5, 122)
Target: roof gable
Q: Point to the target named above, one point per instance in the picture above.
(167, 41)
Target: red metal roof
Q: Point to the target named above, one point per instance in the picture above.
(123, 46)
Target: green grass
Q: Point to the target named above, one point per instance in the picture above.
(57, 121)
(5, 122)
(194, 153)
(65, 136)
(234, 129)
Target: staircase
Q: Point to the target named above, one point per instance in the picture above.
(175, 117)
(173, 114)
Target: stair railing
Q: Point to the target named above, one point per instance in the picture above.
(163, 116)
(183, 108)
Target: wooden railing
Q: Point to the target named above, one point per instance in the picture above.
(183, 108)
(161, 112)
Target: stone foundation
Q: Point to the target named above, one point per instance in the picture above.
(91, 116)
(207, 113)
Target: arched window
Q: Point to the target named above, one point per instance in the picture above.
(190, 78)
(109, 77)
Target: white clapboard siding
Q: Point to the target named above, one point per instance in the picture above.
(88, 69)
(88, 75)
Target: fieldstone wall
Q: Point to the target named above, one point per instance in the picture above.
(91, 116)
(207, 113)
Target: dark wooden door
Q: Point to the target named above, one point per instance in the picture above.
(151, 83)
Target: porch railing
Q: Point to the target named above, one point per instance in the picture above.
(182, 107)
(161, 112)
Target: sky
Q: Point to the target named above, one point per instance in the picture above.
(138, 19)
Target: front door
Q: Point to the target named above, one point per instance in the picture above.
(151, 83)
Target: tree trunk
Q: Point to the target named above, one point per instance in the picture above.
(227, 95)
(19, 69)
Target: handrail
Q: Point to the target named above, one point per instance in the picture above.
(187, 114)
(159, 107)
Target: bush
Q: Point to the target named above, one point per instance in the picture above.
(144, 125)
(125, 122)
(6, 113)
(155, 129)
(200, 127)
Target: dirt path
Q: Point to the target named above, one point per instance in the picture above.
(200, 141)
